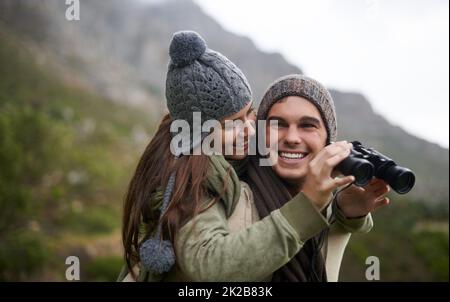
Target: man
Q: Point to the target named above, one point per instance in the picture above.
(304, 158)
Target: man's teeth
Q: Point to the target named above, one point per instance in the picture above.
(292, 155)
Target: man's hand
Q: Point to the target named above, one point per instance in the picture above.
(359, 201)
(320, 183)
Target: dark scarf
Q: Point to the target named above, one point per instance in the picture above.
(270, 193)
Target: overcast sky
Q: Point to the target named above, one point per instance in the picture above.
(395, 52)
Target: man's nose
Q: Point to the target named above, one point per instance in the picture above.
(292, 136)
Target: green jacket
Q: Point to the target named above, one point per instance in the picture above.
(207, 251)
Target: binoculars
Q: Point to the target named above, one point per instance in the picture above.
(365, 163)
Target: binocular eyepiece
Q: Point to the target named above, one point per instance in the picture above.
(365, 163)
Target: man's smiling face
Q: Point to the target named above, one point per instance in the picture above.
(301, 135)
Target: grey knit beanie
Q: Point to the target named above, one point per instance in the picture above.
(310, 89)
(202, 80)
(199, 80)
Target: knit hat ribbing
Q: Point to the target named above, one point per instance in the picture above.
(302, 86)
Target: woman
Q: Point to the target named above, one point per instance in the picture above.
(169, 185)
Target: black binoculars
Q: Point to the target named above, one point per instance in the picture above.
(365, 163)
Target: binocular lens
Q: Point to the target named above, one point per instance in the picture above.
(361, 169)
(400, 179)
(363, 164)
(363, 172)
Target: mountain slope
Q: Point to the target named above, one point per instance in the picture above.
(121, 52)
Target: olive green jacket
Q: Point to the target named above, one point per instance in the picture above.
(228, 242)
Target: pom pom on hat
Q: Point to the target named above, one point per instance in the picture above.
(156, 255)
(186, 47)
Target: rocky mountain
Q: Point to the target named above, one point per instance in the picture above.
(120, 51)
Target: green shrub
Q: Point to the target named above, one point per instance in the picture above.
(433, 248)
(104, 268)
(22, 253)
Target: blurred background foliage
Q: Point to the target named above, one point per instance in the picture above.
(70, 140)
(66, 157)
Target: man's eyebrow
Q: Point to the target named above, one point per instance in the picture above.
(310, 119)
(274, 117)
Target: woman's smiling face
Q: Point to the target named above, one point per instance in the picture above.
(301, 135)
(235, 137)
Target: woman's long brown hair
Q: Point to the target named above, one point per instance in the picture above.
(152, 174)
